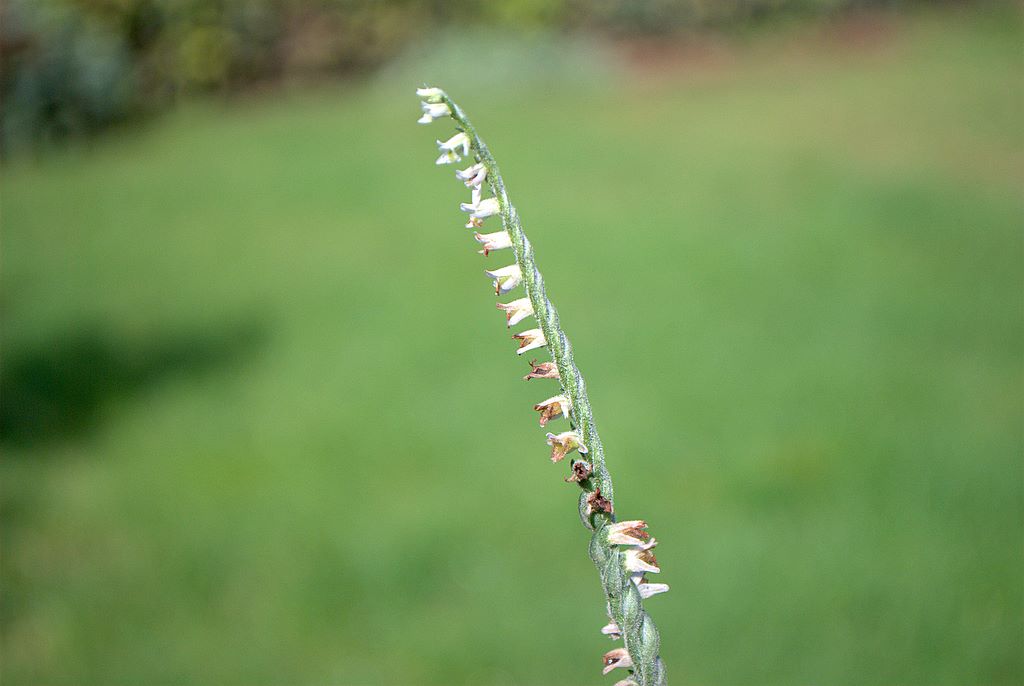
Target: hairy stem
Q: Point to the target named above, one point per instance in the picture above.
(624, 601)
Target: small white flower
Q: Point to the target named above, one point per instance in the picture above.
(480, 209)
(516, 311)
(631, 532)
(647, 589)
(641, 559)
(430, 94)
(474, 222)
(564, 443)
(447, 157)
(498, 240)
(528, 340)
(449, 148)
(552, 408)
(432, 111)
(506, 278)
(474, 196)
(626, 682)
(473, 176)
(611, 629)
(617, 658)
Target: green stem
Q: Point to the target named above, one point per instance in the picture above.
(624, 601)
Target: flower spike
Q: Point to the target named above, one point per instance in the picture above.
(617, 566)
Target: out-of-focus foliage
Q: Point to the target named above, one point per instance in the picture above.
(75, 66)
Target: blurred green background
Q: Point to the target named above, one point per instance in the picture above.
(261, 423)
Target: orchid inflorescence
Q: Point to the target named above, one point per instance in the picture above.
(622, 551)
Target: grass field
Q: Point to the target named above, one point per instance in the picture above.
(263, 425)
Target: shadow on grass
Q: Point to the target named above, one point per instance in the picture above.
(57, 390)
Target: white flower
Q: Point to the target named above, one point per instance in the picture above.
(626, 682)
(480, 209)
(473, 176)
(432, 111)
(447, 157)
(552, 408)
(528, 340)
(647, 589)
(617, 658)
(474, 200)
(506, 278)
(564, 443)
(430, 94)
(493, 241)
(449, 147)
(631, 532)
(641, 559)
(474, 222)
(611, 629)
(516, 311)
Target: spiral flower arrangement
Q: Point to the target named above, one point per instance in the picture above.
(621, 550)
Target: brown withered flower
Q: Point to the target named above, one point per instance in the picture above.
(598, 503)
(581, 471)
(544, 370)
